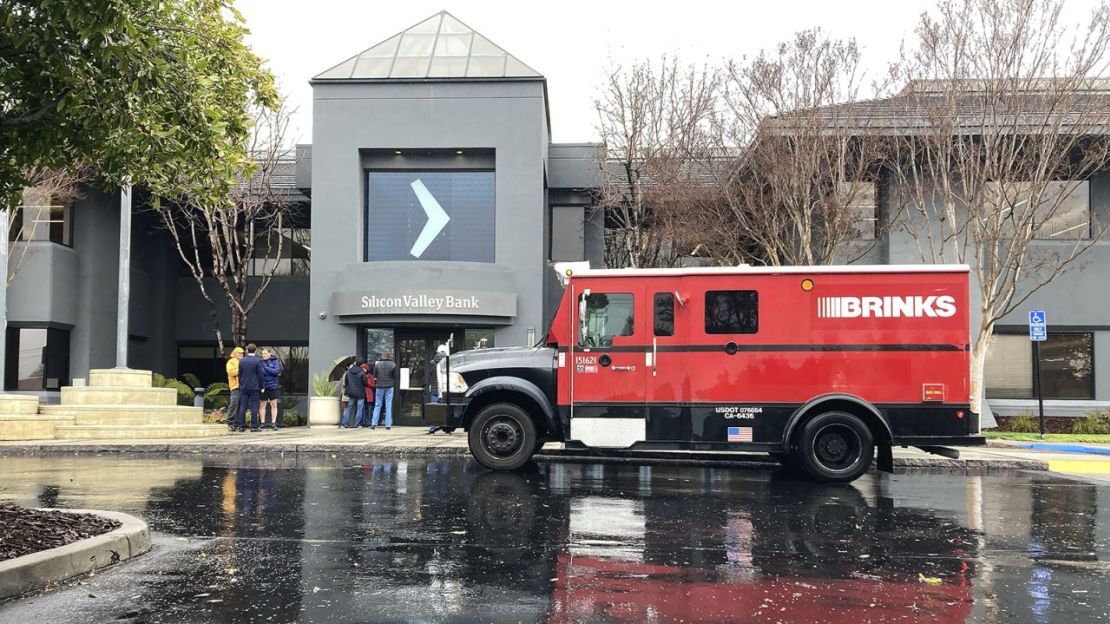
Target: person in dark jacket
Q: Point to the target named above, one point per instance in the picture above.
(370, 387)
(250, 388)
(433, 383)
(271, 390)
(354, 386)
(385, 375)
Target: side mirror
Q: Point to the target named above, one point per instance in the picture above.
(582, 329)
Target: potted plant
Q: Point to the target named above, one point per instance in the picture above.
(323, 405)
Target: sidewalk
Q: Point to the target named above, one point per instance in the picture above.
(401, 441)
(1083, 460)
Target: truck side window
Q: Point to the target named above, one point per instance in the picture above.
(664, 314)
(607, 315)
(731, 312)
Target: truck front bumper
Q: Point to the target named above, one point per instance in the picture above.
(446, 415)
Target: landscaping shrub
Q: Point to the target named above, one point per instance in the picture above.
(1023, 423)
(1094, 423)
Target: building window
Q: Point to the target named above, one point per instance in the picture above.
(46, 221)
(608, 315)
(477, 339)
(285, 251)
(1067, 367)
(378, 341)
(664, 314)
(568, 233)
(731, 312)
(37, 359)
(430, 215)
(1063, 212)
(861, 208)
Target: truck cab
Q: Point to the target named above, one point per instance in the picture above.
(817, 366)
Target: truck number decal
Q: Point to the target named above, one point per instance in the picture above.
(585, 364)
(738, 412)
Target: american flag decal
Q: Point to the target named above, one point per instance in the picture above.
(739, 434)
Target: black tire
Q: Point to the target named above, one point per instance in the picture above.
(502, 437)
(835, 447)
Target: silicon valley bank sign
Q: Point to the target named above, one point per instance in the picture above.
(445, 302)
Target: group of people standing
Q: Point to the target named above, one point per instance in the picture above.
(252, 378)
(369, 390)
(366, 386)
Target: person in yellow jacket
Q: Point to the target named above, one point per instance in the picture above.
(233, 385)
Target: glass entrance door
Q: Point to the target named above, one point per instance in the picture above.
(415, 350)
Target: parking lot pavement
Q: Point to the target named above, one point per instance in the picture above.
(415, 441)
(344, 538)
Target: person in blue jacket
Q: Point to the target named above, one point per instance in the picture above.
(271, 390)
(250, 388)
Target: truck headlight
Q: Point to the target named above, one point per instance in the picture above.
(458, 384)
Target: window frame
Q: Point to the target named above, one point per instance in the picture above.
(50, 355)
(655, 314)
(1014, 333)
(365, 216)
(582, 322)
(706, 309)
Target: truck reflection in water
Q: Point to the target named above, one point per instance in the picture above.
(833, 556)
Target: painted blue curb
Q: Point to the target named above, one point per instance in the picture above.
(1065, 448)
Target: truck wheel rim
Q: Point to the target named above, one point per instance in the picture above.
(503, 436)
(837, 447)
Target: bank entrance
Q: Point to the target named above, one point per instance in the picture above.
(413, 349)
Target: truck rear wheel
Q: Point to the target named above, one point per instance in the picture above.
(835, 447)
(502, 437)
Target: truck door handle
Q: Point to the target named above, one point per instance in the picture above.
(605, 360)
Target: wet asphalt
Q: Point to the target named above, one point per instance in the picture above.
(357, 539)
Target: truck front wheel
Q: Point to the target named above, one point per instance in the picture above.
(502, 437)
(835, 447)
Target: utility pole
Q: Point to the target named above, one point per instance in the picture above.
(123, 302)
(5, 221)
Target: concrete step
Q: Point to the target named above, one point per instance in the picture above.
(138, 432)
(119, 378)
(18, 404)
(127, 414)
(30, 426)
(97, 395)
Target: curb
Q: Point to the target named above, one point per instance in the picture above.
(42, 569)
(559, 455)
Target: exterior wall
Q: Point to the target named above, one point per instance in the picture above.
(1077, 300)
(508, 117)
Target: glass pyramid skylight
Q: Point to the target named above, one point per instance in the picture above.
(439, 47)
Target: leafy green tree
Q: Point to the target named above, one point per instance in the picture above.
(158, 92)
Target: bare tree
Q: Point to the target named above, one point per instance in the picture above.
(234, 247)
(647, 115)
(797, 184)
(1003, 123)
(50, 191)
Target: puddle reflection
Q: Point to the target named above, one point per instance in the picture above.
(333, 540)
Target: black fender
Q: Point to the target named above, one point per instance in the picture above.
(799, 413)
(506, 383)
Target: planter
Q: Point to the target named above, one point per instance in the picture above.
(323, 410)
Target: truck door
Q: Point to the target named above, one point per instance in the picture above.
(607, 367)
(670, 366)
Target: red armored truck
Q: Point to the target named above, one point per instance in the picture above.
(818, 366)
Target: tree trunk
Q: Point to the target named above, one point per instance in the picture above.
(978, 361)
(239, 327)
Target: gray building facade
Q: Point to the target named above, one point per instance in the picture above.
(434, 205)
(436, 197)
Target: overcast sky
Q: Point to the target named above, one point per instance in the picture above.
(571, 42)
